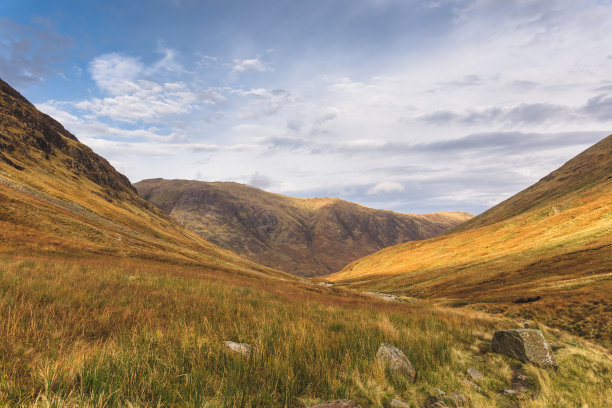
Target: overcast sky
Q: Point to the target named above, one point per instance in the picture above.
(413, 106)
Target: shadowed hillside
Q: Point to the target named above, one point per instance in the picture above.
(59, 197)
(545, 253)
(302, 236)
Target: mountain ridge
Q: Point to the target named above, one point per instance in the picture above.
(305, 236)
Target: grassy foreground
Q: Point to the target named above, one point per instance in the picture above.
(112, 332)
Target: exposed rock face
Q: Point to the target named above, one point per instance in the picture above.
(337, 404)
(29, 135)
(526, 345)
(398, 404)
(242, 348)
(306, 237)
(395, 360)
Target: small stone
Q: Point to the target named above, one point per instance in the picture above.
(337, 404)
(521, 377)
(457, 399)
(511, 392)
(473, 385)
(439, 391)
(394, 359)
(242, 348)
(475, 374)
(528, 325)
(398, 404)
(526, 345)
(436, 404)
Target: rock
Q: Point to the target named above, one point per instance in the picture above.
(394, 359)
(337, 404)
(473, 385)
(457, 399)
(528, 325)
(242, 348)
(436, 404)
(475, 374)
(398, 404)
(384, 296)
(511, 392)
(521, 377)
(439, 391)
(526, 345)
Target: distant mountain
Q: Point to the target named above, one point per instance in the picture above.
(58, 197)
(545, 252)
(306, 237)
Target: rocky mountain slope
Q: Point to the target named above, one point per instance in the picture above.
(58, 197)
(545, 253)
(307, 237)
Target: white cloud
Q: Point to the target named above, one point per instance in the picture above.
(255, 64)
(116, 74)
(386, 187)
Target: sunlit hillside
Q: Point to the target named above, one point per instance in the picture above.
(544, 253)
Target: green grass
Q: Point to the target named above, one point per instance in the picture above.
(127, 333)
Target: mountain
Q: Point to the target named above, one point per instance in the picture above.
(306, 237)
(59, 197)
(544, 253)
(107, 302)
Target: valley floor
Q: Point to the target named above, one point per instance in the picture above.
(121, 332)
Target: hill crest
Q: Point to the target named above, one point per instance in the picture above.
(305, 236)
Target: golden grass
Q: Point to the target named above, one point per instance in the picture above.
(111, 332)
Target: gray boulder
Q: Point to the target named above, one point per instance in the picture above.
(526, 345)
(394, 359)
(475, 374)
(398, 404)
(337, 404)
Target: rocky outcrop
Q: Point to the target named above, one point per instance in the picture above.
(526, 345)
(31, 137)
(396, 361)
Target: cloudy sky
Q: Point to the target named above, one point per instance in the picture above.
(414, 106)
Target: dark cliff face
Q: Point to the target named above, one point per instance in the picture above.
(306, 237)
(28, 135)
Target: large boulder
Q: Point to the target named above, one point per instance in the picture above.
(526, 345)
(337, 404)
(395, 360)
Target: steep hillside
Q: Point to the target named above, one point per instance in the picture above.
(544, 253)
(58, 197)
(302, 236)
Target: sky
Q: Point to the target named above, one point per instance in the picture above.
(411, 106)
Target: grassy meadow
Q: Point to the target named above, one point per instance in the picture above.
(122, 332)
